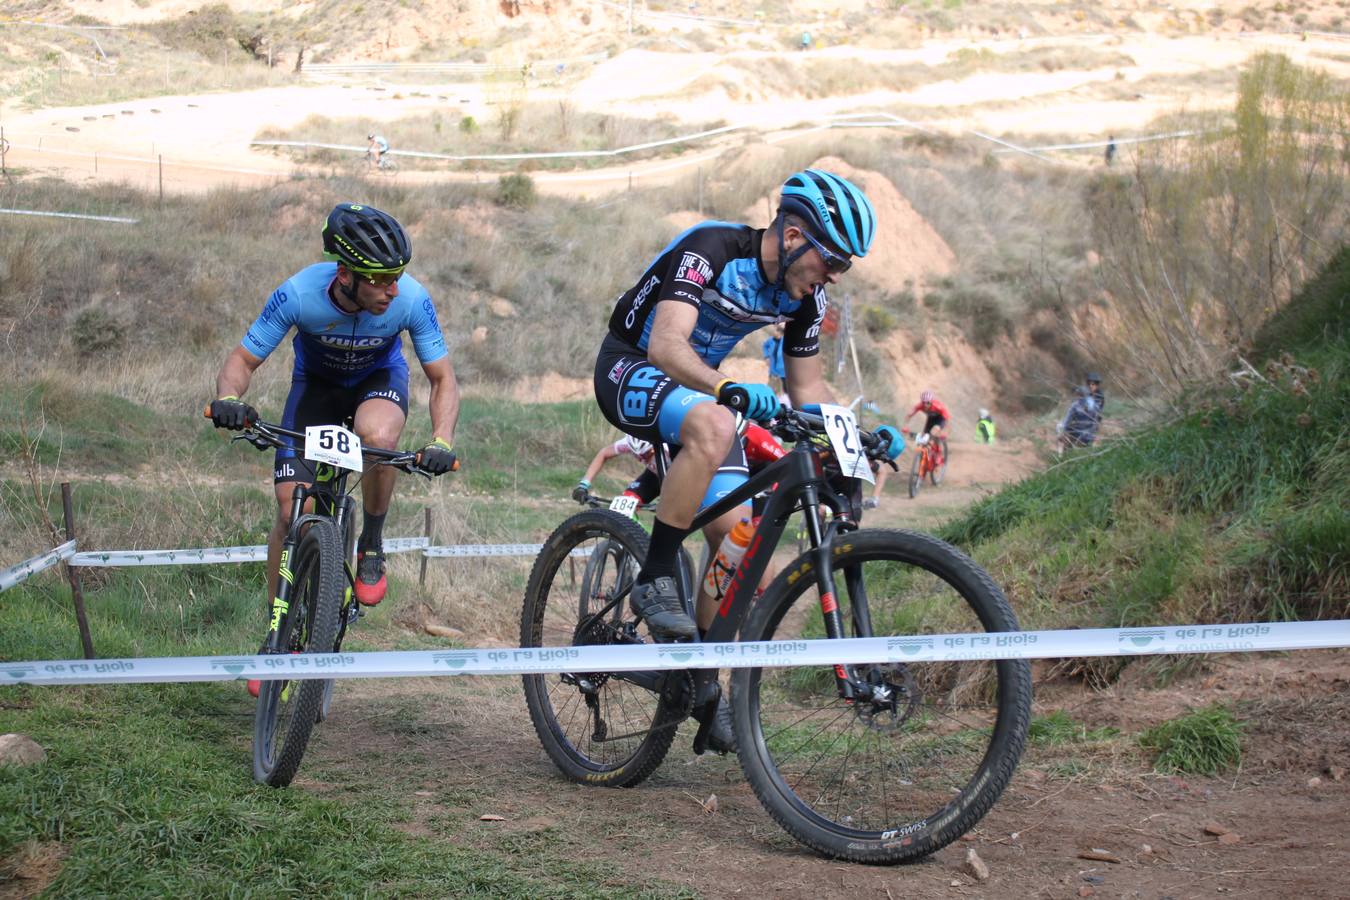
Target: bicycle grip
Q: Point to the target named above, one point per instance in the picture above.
(733, 397)
(206, 413)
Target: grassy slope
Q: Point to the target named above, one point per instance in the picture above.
(1237, 510)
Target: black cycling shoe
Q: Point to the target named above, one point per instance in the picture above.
(721, 735)
(658, 604)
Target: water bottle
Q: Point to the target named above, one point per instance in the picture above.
(729, 556)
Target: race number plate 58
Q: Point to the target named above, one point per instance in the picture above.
(624, 506)
(334, 445)
(843, 432)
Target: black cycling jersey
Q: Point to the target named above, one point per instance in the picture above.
(716, 267)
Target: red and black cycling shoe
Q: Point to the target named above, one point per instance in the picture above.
(370, 580)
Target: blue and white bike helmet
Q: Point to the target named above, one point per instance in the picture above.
(836, 209)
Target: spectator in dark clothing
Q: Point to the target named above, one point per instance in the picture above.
(1079, 426)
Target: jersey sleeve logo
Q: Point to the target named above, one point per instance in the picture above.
(694, 269)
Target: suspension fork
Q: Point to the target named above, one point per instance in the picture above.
(281, 603)
(822, 561)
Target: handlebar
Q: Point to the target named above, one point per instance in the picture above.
(269, 436)
(795, 425)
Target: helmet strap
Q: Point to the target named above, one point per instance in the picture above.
(348, 292)
(785, 259)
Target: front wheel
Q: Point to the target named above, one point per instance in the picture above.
(287, 711)
(916, 474)
(897, 774)
(604, 728)
(936, 474)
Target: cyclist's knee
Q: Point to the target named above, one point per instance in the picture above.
(708, 431)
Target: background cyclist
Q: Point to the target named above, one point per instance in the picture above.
(349, 315)
(935, 412)
(645, 488)
(376, 148)
(656, 374)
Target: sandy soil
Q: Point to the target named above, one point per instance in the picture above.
(204, 139)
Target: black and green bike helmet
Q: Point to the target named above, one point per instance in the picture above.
(365, 240)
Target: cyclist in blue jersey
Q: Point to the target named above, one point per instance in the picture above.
(348, 315)
(656, 375)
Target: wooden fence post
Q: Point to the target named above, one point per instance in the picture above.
(74, 576)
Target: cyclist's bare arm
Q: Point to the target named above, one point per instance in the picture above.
(237, 373)
(602, 456)
(668, 347)
(806, 380)
(444, 398)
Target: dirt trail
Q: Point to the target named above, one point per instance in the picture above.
(204, 139)
(457, 755)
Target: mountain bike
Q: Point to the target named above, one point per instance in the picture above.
(315, 599)
(930, 461)
(386, 163)
(880, 763)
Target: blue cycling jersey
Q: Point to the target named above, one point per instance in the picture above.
(339, 346)
(715, 266)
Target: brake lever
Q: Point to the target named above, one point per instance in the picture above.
(254, 439)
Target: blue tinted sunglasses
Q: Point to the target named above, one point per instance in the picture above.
(833, 261)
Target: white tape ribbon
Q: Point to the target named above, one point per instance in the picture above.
(647, 657)
(21, 572)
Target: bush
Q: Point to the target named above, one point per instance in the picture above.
(1203, 742)
(878, 322)
(95, 330)
(516, 190)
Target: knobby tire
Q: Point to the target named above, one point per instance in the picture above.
(892, 786)
(309, 626)
(623, 734)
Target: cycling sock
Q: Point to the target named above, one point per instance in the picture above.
(665, 545)
(372, 533)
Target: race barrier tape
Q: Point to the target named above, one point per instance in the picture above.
(21, 572)
(1248, 637)
(255, 553)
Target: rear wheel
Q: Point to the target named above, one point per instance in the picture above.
(287, 711)
(604, 728)
(895, 775)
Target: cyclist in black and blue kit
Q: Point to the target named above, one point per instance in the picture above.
(656, 375)
(348, 314)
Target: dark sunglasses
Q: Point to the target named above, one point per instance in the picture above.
(833, 261)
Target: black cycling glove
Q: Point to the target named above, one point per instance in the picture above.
(436, 457)
(232, 413)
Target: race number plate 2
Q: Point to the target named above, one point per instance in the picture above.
(334, 445)
(625, 506)
(843, 431)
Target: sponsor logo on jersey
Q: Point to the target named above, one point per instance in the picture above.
(735, 311)
(347, 343)
(639, 299)
(694, 269)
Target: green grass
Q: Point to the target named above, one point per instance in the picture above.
(1059, 728)
(1234, 510)
(148, 787)
(1204, 742)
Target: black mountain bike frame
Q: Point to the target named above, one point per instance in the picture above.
(798, 481)
(329, 493)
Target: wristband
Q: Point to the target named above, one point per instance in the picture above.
(442, 442)
(717, 391)
(583, 483)
(230, 397)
